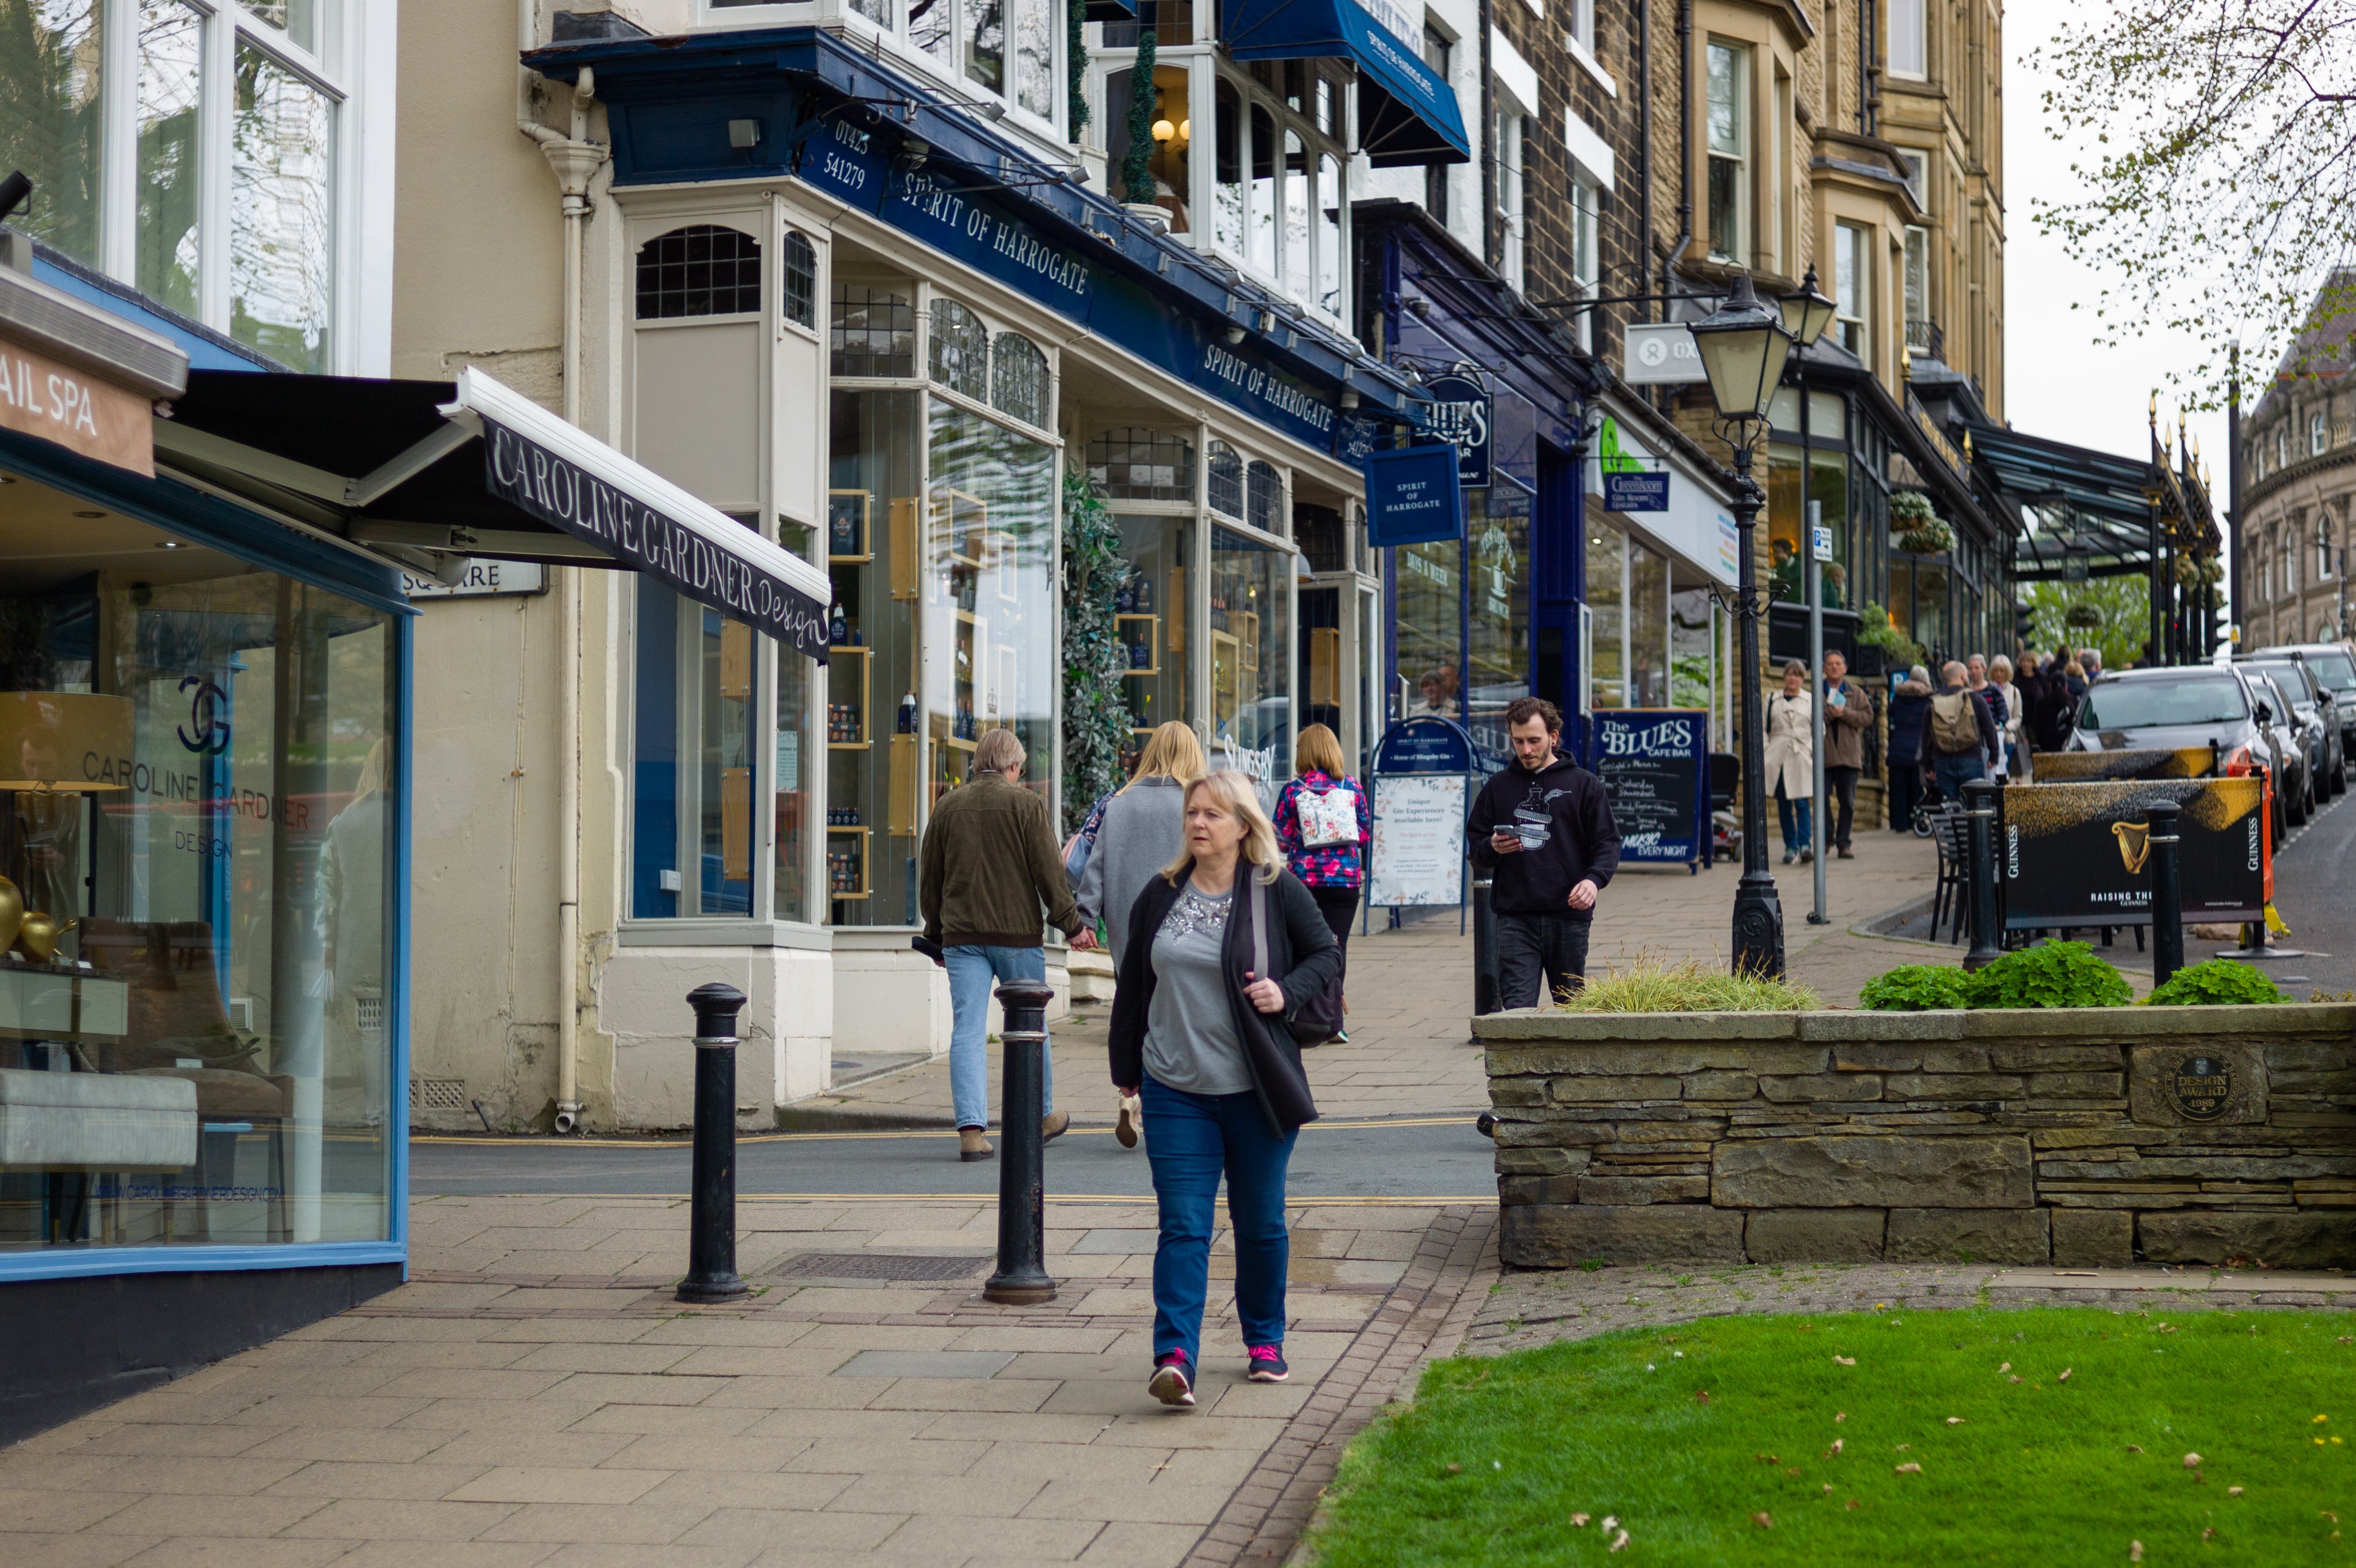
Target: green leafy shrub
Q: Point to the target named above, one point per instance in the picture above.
(2219, 982)
(2051, 974)
(1652, 983)
(1917, 988)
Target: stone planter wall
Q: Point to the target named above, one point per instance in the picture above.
(2083, 1138)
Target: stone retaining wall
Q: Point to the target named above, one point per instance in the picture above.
(2084, 1138)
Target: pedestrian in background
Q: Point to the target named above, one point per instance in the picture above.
(1223, 945)
(1144, 828)
(986, 868)
(1325, 826)
(1792, 762)
(2015, 726)
(1959, 739)
(1848, 713)
(1543, 830)
(1909, 705)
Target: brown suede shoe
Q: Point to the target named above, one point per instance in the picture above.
(1846, 853)
(1052, 1127)
(972, 1145)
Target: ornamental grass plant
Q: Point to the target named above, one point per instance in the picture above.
(1652, 983)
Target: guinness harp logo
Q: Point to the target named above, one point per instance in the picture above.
(2202, 1086)
(2134, 844)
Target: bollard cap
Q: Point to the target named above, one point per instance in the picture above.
(716, 1006)
(1025, 993)
(2163, 809)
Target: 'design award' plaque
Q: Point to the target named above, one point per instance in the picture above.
(2202, 1087)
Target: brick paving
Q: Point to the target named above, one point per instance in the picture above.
(535, 1396)
(1533, 1307)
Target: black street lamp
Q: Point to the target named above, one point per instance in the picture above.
(1807, 313)
(1742, 347)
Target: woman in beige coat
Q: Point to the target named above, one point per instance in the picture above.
(1791, 762)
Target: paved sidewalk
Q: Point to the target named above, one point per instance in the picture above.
(1532, 1307)
(534, 1396)
(1411, 989)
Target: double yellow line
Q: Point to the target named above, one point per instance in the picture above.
(552, 1142)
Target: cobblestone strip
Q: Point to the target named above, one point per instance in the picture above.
(1424, 1315)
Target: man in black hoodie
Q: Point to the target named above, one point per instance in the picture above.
(1543, 830)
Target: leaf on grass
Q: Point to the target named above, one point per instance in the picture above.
(2233, 1491)
(2064, 1376)
(2134, 1551)
(2209, 1534)
(1456, 1469)
(1852, 1504)
(1611, 1522)
(2014, 1379)
(1619, 1541)
(1910, 1468)
(1702, 1395)
(2165, 1329)
(1790, 1469)
(1844, 1360)
(1840, 1415)
(1828, 1489)
(2134, 1448)
(2192, 1461)
(1769, 1459)
(1578, 1520)
(1763, 1520)
(2006, 1368)
(1834, 1449)
(1955, 1421)
(2329, 1515)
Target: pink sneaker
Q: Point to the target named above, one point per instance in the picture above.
(1174, 1379)
(1267, 1363)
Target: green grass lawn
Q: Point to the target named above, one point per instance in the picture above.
(1684, 1435)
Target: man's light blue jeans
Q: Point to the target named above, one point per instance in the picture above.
(970, 972)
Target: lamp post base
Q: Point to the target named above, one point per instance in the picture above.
(1758, 926)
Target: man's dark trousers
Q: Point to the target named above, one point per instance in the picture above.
(1842, 783)
(1535, 947)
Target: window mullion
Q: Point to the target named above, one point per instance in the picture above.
(216, 105)
(118, 156)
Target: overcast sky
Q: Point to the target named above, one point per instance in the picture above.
(2058, 383)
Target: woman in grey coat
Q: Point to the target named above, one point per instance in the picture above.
(1144, 829)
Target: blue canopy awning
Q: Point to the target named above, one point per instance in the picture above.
(1406, 114)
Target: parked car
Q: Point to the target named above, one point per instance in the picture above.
(2221, 706)
(2296, 751)
(2320, 718)
(2334, 664)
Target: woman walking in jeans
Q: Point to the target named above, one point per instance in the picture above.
(1333, 869)
(1223, 945)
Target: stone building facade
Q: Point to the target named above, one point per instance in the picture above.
(2299, 463)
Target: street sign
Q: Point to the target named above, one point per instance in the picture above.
(1413, 496)
(481, 577)
(1821, 542)
(1660, 354)
(1463, 413)
(1635, 492)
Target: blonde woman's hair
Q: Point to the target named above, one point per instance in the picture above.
(1319, 750)
(1234, 794)
(2000, 664)
(1171, 751)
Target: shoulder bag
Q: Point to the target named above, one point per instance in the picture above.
(1318, 1019)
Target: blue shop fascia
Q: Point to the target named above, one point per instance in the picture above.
(1596, 535)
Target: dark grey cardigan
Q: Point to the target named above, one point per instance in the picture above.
(1302, 956)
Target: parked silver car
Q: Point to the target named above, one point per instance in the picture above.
(2320, 722)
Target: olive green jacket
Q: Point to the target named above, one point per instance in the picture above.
(988, 863)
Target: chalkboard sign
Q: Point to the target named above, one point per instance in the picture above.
(2076, 854)
(1654, 764)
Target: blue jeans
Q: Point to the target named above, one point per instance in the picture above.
(1190, 1139)
(1800, 834)
(970, 971)
(1956, 771)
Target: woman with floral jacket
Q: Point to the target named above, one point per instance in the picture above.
(1334, 874)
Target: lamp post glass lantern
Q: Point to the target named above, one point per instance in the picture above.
(1807, 313)
(1743, 346)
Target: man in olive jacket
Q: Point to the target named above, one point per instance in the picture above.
(988, 865)
(1848, 713)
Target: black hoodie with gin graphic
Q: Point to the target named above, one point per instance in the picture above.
(1564, 820)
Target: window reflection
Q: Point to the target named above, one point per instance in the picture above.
(49, 124)
(1251, 650)
(282, 213)
(171, 52)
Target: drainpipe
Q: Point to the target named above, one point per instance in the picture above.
(1487, 23)
(573, 160)
(1644, 159)
(1685, 147)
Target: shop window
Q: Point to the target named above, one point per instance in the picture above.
(1648, 627)
(1498, 636)
(989, 626)
(1828, 484)
(1729, 124)
(701, 270)
(1173, 128)
(1324, 539)
(874, 753)
(874, 333)
(1319, 660)
(1429, 592)
(801, 281)
(1226, 479)
(1018, 379)
(960, 350)
(1264, 496)
(1151, 613)
(197, 800)
(692, 776)
(1607, 605)
(1251, 653)
(1693, 650)
(1137, 464)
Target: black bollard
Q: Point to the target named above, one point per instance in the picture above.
(712, 1202)
(2166, 891)
(1979, 812)
(1022, 1279)
(1485, 951)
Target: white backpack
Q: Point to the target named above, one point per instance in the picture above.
(1329, 817)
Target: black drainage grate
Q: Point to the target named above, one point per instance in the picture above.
(876, 1266)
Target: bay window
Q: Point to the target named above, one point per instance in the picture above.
(1728, 124)
(227, 205)
(1009, 52)
(1852, 289)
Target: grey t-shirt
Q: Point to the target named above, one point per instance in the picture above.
(1189, 1031)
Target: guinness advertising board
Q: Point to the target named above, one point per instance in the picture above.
(2078, 854)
